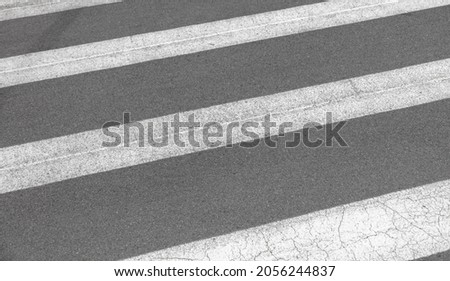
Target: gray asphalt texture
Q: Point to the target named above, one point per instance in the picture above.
(444, 256)
(63, 106)
(91, 24)
(131, 211)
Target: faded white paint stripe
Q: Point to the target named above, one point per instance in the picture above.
(9, 4)
(13, 9)
(47, 161)
(404, 225)
(196, 38)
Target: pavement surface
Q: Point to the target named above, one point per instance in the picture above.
(127, 212)
(148, 207)
(444, 256)
(85, 102)
(80, 26)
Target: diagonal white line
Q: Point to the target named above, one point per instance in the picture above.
(14, 9)
(191, 39)
(404, 225)
(62, 158)
(195, 32)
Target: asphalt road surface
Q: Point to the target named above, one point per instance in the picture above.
(57, 30)
(85, 102)
(147, 207)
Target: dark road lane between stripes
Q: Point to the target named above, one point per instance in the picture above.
(444, 256)
(63, 106)
(131, 211)
(92, 24)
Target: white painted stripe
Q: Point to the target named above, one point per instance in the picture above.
(191, 39)
(13, 9)
(404, 225)
(47, 161)
(8, 4)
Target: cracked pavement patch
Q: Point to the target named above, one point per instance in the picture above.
(404, 225)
